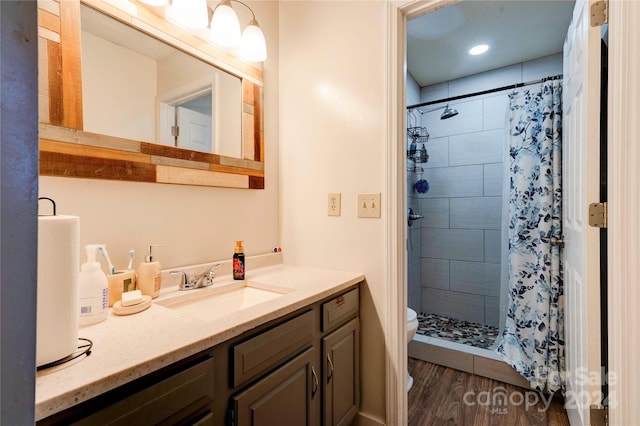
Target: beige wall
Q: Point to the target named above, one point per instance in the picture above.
(325, 132)
(195, 224)
(332, 139)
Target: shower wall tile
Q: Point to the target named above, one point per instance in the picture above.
(468, 307)
(434, 92)
(435, 273)
(495, 111)
(438, 150)
(456, 244)
(476, 213)
(486, 80)
(492, 311)
(414, 281)
(414, 300)
(414, 246)
(468, 120)
(476, 148)
(414, 201)
(435, 212)
(492, 246)
(493, 179)
(465, 164)
(475, 278)
(413, 90)
(462, 181)
(542, 67)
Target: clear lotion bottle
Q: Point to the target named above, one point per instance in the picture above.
(238, 261)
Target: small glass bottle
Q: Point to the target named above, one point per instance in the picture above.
(238, 261)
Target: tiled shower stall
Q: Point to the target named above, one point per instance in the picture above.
(454, 252)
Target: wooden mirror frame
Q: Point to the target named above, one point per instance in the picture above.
(66, 150)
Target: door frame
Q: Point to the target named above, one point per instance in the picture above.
(398, 12)
(623, 195)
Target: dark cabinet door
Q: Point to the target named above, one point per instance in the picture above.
(341, 376)
(290, 395)
(185, 397)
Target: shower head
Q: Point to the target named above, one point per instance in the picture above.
(448, 113)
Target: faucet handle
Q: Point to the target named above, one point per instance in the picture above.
(184, 280)
(203, 279)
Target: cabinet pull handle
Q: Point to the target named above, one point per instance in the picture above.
(330, 368)
(316, 384)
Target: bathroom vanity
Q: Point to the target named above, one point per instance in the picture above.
(292, 359)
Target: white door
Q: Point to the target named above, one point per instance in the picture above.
(195, 130)
(581, 138)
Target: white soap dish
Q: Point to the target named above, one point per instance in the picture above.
(118, 309)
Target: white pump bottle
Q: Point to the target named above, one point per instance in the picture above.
(93, 289)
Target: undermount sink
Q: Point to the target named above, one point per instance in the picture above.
(214, 302)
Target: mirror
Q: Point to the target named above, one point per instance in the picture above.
(82, 135)
(137, 87)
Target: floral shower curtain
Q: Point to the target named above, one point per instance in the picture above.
(533, 336)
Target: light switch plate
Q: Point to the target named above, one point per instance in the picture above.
(333, 207)
(369, 205)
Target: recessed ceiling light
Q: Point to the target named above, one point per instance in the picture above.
(479, 49)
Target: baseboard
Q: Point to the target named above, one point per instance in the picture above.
(363, 419)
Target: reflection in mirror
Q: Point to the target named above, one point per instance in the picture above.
(137, 87)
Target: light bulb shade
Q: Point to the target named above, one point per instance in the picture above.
(155, 2)
(190, 13)
(225, 28)
(253, 47)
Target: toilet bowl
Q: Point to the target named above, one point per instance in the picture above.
(412, 327)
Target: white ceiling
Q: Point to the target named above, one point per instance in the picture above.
(516, 30)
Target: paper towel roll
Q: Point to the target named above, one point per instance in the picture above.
(58, 266)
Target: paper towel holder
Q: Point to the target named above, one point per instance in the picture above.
(84, 349)
(52, 202)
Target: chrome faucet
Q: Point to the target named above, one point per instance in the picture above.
(203, 279)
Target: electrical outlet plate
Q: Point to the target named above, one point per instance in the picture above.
(333, 207)
(369, 205)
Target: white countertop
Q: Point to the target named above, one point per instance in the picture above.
(128, 347)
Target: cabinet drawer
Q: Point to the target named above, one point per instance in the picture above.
(266, 350)
(338, 310)
(190, 389)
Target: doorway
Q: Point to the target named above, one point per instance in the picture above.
(456, 254)
(623, 193)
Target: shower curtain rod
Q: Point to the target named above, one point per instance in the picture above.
(485, 92)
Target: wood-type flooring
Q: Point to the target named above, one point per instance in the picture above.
(444, 396)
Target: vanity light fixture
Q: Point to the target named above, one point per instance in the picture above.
(225, 31)
(190, 13)
(253, 47)
(155, 2)
(225, 27)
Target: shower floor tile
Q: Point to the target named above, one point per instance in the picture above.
(459, 331)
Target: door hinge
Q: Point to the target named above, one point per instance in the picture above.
(231, 417)
(175, 131)
(598, 215)
(599, 415)
(599, 13)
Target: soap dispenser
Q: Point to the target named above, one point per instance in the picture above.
(238, 261)
(149, 275)
(93, 289)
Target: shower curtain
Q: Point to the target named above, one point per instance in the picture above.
(532, 340)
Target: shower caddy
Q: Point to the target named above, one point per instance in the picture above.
(417, 135)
